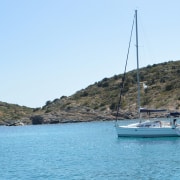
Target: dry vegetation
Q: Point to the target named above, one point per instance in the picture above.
(98, 101)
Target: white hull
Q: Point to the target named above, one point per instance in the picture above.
(125, 131)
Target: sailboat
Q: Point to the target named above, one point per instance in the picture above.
(146, 128)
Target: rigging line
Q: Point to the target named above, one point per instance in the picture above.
(124, 75)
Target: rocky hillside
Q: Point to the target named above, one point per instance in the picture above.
(160, 88)
(10, 114)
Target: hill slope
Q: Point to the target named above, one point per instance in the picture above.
(98, 101)
(11, 113)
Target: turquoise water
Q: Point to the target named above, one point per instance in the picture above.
(84, 151)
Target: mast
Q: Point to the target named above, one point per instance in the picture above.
(137, 56)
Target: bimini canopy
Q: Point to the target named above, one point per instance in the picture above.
(148, 111)
(175, 114)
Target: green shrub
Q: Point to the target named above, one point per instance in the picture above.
(168, 87)
(48, 103)
(113, 106)
(84, 94)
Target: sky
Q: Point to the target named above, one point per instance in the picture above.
(54, 48)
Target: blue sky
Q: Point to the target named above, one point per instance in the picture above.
(51, 48)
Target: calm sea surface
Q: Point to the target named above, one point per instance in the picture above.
(85, 151)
